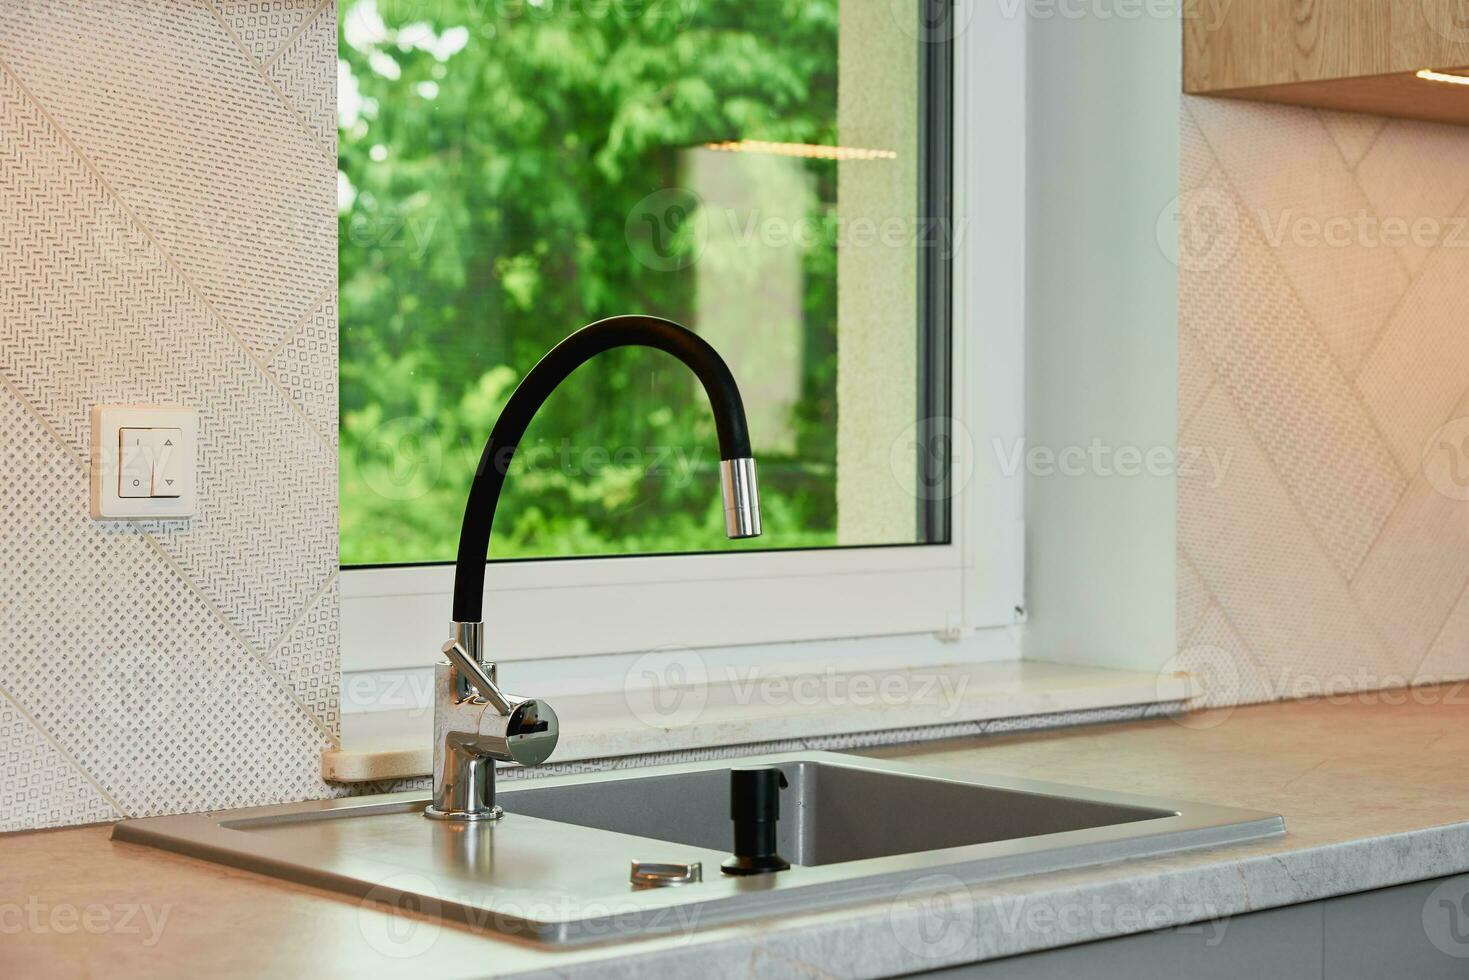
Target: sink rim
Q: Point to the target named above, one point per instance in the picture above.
(222, 837)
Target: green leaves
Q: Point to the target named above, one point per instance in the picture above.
(495, 150)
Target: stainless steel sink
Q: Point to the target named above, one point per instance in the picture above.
(555, 868)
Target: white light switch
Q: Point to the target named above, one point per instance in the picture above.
(135, 474)
(168, 462)
(143, 462)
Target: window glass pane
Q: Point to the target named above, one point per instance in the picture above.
(514, 169)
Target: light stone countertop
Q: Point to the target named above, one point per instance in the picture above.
(1373, 793)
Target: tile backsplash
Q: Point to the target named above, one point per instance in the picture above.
(1324, 372)
(167, 234)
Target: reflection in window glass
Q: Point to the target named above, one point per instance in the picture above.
(513, 170)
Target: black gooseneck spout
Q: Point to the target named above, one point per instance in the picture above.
(737, 469)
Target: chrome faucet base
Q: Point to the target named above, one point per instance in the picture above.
(476, 724)
(464, 816)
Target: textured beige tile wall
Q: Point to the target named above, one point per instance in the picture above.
(167, 234)
(1324, 357)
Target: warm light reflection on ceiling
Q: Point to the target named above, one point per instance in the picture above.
(808, 151)
(1429, 75)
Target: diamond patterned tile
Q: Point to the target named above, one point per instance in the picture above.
(1409, 583)
(1419, 566)
(307, 368)
(1299, 193)
(1448, 657)
(1420, 367)
(180, 716)
(1195, 158)
(1195, 376)
(94, 316)
(264, 25)
(1415, 177)
(1352, 132)
(199, 148)
(1221, 663)
(309, 660)
(1193, 602)
(39, 786)
(1259, 339)
(306, 71)
(1244, 535)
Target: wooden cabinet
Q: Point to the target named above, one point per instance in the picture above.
(1355, 55)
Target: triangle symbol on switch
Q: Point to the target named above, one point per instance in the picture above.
(169, 482)
(168, 442)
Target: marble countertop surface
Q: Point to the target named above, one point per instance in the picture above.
(1372, 788)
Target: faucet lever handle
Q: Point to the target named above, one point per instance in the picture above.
(474, 672)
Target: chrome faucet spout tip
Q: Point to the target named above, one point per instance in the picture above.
(741, 498)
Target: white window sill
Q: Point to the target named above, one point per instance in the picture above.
(398, 744)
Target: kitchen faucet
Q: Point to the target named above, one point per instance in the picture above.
(475, 723)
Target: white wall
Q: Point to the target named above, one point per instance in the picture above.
(1102, 355)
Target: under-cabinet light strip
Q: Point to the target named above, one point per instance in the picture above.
(1429, 75)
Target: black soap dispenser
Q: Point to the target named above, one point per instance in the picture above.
(754, 806)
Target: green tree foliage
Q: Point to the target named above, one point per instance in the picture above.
(492, 153)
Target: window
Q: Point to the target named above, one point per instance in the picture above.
(774, 175)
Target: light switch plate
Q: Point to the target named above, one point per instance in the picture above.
(108, 421)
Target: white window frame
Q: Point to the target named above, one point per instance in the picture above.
(395, 618)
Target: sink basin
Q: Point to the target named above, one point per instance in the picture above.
(831, 813)
(555, 868)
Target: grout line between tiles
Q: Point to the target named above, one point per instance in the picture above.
(70, 759)
(1439, 633)
(316, 303)
(1214, 601)
(294, 36)
(1383, 647)
(301, 121)
(193, 288)
(1348, 377)
(1357, 183)
(1203, 399)
(42, 420)
(148, 537)
(1285, 487)
(151, 541)
(300, 618)
(240, 639)
(1436, 253)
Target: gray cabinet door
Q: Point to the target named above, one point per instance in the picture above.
(1418, 931)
